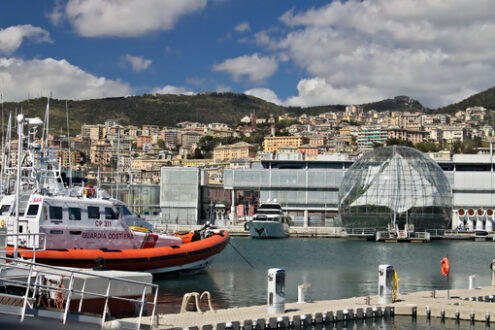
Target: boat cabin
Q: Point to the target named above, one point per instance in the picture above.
(77, 223)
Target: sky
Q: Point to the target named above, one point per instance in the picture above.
(290, 52)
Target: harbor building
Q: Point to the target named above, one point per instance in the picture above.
(309, 190)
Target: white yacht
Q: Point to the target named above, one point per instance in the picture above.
(269, 222)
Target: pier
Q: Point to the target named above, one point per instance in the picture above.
(340, 232)
(463, 304)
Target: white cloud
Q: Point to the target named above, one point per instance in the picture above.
(18, 78)
(434, 51)
(138, 63)
(317, 91)
(264, 94)
(12, 37)
(242, 27)
(168, 89)
(254, 67)
(125, 18)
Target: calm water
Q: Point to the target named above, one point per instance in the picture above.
(335, 268)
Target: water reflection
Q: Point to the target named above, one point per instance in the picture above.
(335, 269)
(404, 323)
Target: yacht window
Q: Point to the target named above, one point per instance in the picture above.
(56, 213)
(4, 210)
(74, 213)
(110, 214)
(32, 210)
(93, 212)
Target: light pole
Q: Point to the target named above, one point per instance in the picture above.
(20, 137)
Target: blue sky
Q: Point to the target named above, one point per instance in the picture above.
(290, 52)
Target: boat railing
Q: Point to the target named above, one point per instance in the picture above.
(33, 278)
(27, 242)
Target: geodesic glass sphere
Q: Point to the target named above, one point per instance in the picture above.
(395, 183)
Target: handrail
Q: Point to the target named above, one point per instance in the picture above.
(32, 268)
(29, 235)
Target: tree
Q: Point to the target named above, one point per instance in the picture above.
(426, 147)
(160, 143)
(399, 142)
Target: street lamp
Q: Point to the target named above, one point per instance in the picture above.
(20, 136)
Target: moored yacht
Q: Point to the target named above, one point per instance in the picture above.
(269, 222)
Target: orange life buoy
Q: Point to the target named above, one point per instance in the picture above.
(89, 190)
(445, 266)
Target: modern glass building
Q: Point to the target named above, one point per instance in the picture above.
(395, 185)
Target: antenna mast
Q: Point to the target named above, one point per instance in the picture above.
(68, 142)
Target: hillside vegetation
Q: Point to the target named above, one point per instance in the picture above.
(168, 110)
(485, 99)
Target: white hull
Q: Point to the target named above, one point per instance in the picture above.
(267, 229)
(191, 267)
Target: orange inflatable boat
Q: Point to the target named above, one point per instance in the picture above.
(191, 255)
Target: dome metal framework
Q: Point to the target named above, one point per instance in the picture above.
(395, 185)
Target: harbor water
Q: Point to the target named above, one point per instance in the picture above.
(335, 268)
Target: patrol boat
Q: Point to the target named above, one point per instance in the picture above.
(89, 232)
(269, 222)
(83, 227)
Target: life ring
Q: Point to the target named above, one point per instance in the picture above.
(445, 266)
(89, 190)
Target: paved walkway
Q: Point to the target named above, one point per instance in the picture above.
(463, 304)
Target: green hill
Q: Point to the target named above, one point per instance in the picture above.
(164, 110)
(484, 99)
(168, 110)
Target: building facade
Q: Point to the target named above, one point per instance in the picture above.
(272, 143)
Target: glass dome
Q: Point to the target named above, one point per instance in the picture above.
(395, 184)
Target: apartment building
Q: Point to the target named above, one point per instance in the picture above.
(272, 143)
(234, 151)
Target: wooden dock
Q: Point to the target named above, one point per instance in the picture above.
(472, 305)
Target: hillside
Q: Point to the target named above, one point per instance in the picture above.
(485, 99)
(398, 103)
(163, 110)
(168, 110)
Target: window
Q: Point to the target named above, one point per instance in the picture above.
(32, 210)
(56, 213)
(125, 210)
(4, 210)
(110, 214)
(93, 212)
(74, 213)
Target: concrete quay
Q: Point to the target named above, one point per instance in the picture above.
(471, 305)
(328, 232)
(239, 231)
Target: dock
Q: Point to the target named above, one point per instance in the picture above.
(338, 232)
(462, 304)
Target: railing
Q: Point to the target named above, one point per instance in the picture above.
(361, 232)
(35, 288)
(384, 235)
(24, 245)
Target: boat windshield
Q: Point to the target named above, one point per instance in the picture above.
(269, 211)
